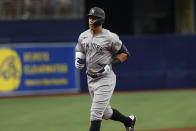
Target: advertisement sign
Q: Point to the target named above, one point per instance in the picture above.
(44, 68)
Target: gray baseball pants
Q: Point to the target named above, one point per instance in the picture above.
(101, 90)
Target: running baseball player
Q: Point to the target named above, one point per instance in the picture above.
(101, 50)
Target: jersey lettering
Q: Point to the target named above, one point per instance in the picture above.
(94, 47)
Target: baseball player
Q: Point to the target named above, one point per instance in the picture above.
(101, 50)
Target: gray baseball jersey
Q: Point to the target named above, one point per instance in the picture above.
(99, 49)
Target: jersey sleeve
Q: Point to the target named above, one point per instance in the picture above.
(79, 47)
(116, 43)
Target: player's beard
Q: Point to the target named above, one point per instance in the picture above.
(91, 26)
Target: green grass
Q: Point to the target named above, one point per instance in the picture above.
(154, 110)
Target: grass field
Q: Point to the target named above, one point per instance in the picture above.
(154, 110)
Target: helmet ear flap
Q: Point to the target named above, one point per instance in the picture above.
(102, 20)
(99, 22)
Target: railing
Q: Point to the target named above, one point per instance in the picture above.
(41, 9)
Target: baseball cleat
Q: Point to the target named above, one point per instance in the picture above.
(133, 120)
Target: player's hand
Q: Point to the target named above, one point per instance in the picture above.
(105, 70)
(79, 63)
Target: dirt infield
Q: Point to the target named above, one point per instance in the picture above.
(177, 129)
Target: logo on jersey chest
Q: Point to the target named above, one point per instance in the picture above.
(90, 47)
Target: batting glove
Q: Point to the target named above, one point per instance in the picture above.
(106, 69)
(79, 63)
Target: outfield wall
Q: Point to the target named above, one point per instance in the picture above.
(156, 62)
(159, 62)
(12, 31)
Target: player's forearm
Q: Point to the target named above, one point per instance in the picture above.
(122, 57)
(123, 53)
(119, 59)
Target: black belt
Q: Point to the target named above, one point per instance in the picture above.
(92, 75)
